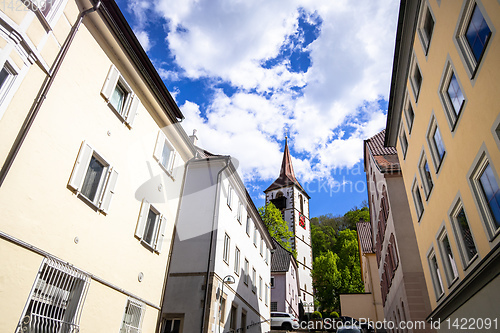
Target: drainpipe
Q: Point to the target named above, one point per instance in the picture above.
(42, 95)
(217, 193)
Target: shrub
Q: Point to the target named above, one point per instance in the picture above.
(317, 315)
(334, 314)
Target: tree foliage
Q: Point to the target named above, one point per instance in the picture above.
(277, 227)
(336, 265)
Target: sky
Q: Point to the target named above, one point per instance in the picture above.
(245, 74)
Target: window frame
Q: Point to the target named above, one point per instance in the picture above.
(246, 269)
(239, 212)
(426, 40)
(415, 87)
(226, 249)
(248, 225)
(230, 196)
(131, 101)
(419, 210)
(254, 282)
(471, 65)
(237, 254)
(452, 115)
(403, 142)
(125, 328)
(436, 157)
(159, 226)
(161, 141)
(50, 19)
(437, 280)
(450, 273)
(428, 184)
(457, 230)
(482, 161)
(408, 106)
(107, 182)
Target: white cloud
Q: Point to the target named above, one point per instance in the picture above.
(143, 38)
(337, 106)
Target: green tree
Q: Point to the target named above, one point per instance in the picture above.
(349, 264)
(327, 280)
(355, 215)
(277, 227)
(323, 238)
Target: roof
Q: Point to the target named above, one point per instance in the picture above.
(122, 30)
(365, 237)
(287, 175)
(280, 260)
(205, 153)
(386, 158)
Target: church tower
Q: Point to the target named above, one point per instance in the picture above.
(291, 199)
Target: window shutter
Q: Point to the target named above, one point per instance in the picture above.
(110, 83)
(160, 141)
(171, 163)
(132, 110)
(161, 234)
(80, 168)
(109, 190)
(141, 223)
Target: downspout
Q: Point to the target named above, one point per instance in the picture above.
(42, 95)
(217, 192)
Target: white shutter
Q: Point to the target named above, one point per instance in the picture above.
(109, 190)
(160, 141)
(171, 163)
(141, 222)
(110, 83)
(161, 234)
(132, 110)
(80, 168)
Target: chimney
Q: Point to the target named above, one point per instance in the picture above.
(194, 138)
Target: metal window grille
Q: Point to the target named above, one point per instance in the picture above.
(56, 299)
(132, 319)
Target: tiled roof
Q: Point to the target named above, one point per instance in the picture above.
(280, 260)
(365, 237)
(287, 175)
(376, 144)
(385, 157)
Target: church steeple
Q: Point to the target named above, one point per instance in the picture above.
(287, 175)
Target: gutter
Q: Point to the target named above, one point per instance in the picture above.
(42, 95)
(209, 263)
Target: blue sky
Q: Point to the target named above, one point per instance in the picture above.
(246, 73)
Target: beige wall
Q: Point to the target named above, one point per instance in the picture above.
(472, 134)
(38, 207)
(358, 306)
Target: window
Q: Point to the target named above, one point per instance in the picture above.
(272, 281)
(436, 145)
(463, 234)
(7, 77)
(301, 203)
(119, 96)
(274, 307)
(261, 247)
(255, 236)
(472, 36)
(254, 281)
(171, 325)
(249, 223)
(165, 154)
(426, 27)
(240, 209)
(243, 321)
(450, 266)
(227, 243)
(132, 318)
(267, 256)
(304, 263)
(425, 174)
(436, 275)
(222, 313)
(246, 272)
(410, 115)
(486, 192)
(93, 178)
(47, 9)
(266, 296)
(451, 95)
(260, 287)
(237, 261)
(404, 145)
(56, 299)
(151, 227)
(229, 196)
(233, 318)
(417, 199)
(415, 78)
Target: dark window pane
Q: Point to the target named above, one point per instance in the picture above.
(466, 234)
(477, 33)
(46, 6)
(428, 26)
(118, 98)
(92, 178)
(418, 79)
(4, 74)
(492, 193)
(455, 94)
(418, 202)
(428, 177)
(438, 141)
(450, 260)
(150, 229)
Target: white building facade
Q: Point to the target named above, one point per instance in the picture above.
(219, 236)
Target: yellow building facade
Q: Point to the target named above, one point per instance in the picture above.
(92, 163)
(445, 123)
